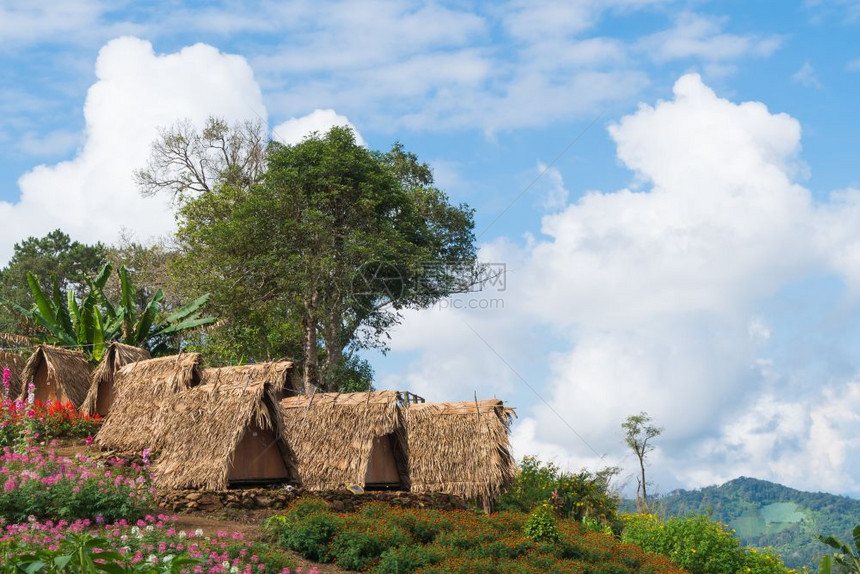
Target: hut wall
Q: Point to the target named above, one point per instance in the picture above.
(257, 457)
(382, 467)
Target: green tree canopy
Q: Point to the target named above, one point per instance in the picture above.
(327, 249)
(54, 255)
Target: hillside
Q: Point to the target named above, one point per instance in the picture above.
(768, 514)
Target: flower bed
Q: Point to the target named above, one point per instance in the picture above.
(43, 421)
(152, 544)
(383, 539)
(45, 486)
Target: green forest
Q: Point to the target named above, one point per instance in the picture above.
(768, 514)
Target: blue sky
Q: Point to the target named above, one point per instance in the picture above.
(673, 187)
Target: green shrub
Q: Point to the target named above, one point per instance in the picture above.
(363, 542)
(423, 526)
(572, 495)
(311, 534)
(699, 544)
(409, 558)
(541, 525)
(765, 561)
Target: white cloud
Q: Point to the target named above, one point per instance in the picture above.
(806, 76)
(655, 300)
(92, 197)
(25, 21)
(553, 194)
(698, 36)
(294, 130)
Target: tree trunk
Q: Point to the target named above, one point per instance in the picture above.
(642, 482)
(310, 374)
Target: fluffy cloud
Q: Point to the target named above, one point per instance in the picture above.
(294, 130)
(655, 298)
(92, 197)
(698, 36)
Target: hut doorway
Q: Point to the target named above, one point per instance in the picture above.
(46, 387)
(105, 398)
(257, 458)
(382, 466)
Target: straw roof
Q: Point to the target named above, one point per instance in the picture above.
(205, 425)
(15, 363)
(332, 434)
(115, 357)
(69, 369)
(278, 373)
(143, 389)
(462, 448)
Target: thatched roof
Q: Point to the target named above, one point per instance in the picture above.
(142, 390)
(462, 448)
(278, 373)
(115, 357)
(69, 369)
(15, 363)
(205, 424)
(332, 434)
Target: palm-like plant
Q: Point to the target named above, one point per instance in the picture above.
(846, 559)
(92, 321)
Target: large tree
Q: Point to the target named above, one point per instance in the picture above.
(54, 255)
(332, 243)
(638, 432)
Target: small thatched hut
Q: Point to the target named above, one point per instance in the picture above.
(141, 392)
(101, 394)
(282, 375)
(58, 374)
(461, 448)
(222, 434)
(15, 363)
(344, 439)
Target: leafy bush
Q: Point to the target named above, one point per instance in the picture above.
(49, 487)
(541, 525)
(311, 534)
(572, 495)
(698, 544)
(388, 540)
(423, 526)
(409, 558)
(362, 542)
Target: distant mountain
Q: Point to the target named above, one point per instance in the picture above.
(768, 514)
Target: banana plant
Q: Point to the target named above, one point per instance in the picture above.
(844, 557)
(92, 321)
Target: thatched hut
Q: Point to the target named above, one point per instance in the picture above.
(141, 392)
(15, 363)
(282, 375)
(344, 439)
(223, 434)
(59, 375)
(101, 394)
(461, 448)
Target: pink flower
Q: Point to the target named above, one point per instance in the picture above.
(88, 441)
